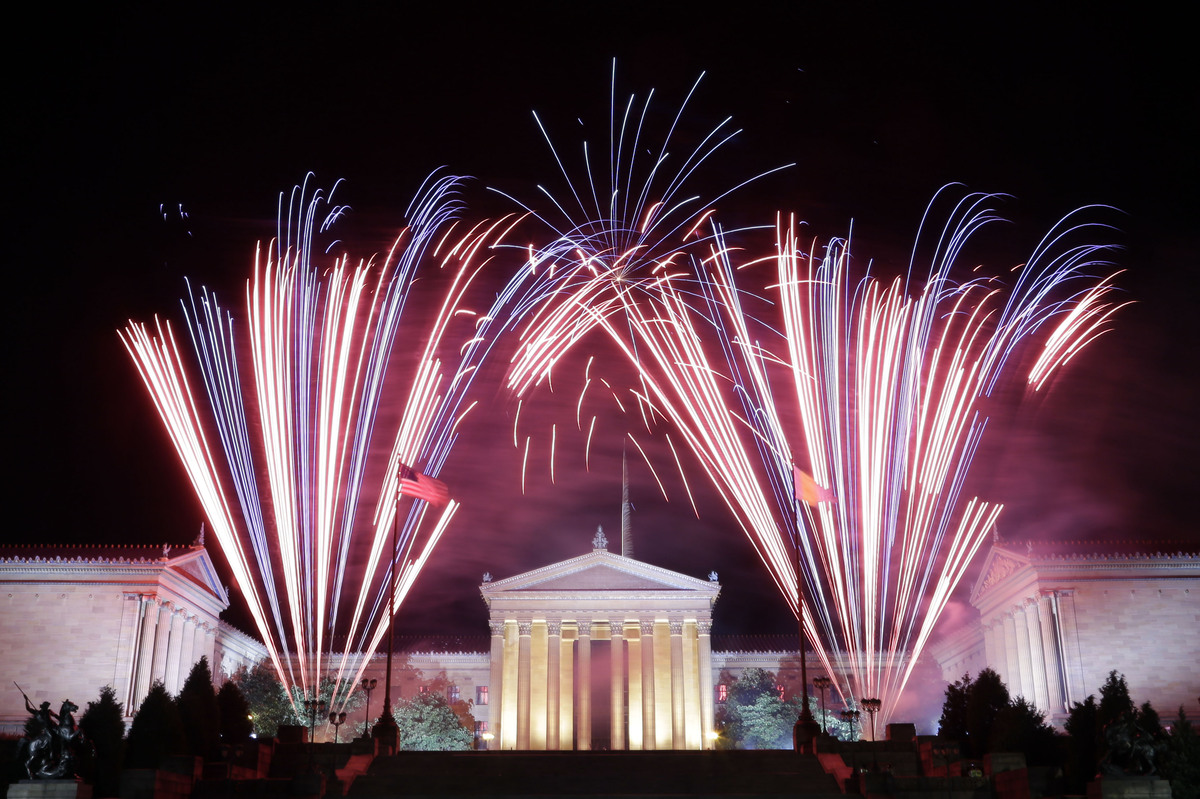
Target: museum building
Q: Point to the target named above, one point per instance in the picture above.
(601, 651)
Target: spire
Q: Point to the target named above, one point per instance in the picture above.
(626, 532)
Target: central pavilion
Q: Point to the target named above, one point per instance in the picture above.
(601, 652)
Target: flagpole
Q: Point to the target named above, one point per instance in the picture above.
(806, 729)
(385, 729)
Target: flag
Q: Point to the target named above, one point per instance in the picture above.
(421, 486)
(807, 490)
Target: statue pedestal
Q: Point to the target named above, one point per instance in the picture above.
(1113, 788)
(49, 789)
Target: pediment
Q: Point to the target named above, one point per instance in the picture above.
(197, 568)
(600, 571)
(999, 565)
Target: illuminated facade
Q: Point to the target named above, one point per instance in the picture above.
(600, 652)
(75, 619)
(1053, 623)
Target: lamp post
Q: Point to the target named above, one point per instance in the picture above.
(872, 707)
(368, 686)
(313, 706)
(337, 720)
(851, 718)
(822, 683)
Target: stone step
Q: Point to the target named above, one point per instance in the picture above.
(626, 774)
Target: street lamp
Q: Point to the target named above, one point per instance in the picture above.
(872, 707)
(337, 720)
(314, 707)
(368, 686)
(822, 683)
(851, 718)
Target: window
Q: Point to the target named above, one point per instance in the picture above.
(481, 697)
(722, 693)
(424, 689)
(452, 693)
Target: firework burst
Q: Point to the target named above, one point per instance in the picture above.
(286, 496)
(882, 382)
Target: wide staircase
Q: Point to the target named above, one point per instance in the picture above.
(600, 774)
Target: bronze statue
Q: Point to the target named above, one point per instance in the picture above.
(1129, 749)
(50, 746)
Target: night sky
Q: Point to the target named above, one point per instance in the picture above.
(112, 115)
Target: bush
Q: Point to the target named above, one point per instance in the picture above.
(103, 724)
(236, 723)
(156, 732)
(268, 701)
(199, 711)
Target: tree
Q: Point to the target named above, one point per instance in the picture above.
(461, 707)
(1083, 733)
(1088, 747)
(1021, 727)
(199, 711)
(1114, 700)
(428, 723)
(970, 711)
(347, 699)
(156, 732)
(1181, 764)
(753, 715)
(953, 722)
(267, 699)
(236, 722)
(103, 723)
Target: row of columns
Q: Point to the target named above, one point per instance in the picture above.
(1034, 646)
(534, 679)
(170, 641)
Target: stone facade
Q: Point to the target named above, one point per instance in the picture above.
(74, 619)
(1053, 623)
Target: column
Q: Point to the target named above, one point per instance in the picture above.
(508, 700)
(566, 693)
(125, 665)
(1012, 671)
(495, 669)
(198, 649)
(210, 643)
(1072, 659)
(144, 669)
(553, 669)
(584, 682)
(677, 717)
(524, 630)
(539, 659)
(993, 648)
(174, 652)
(663, 724)
(1051, 653)
(693, 735)
(187, 646)
(707, 723)
(1024, 682)
(617, 693)
(634, 718)
(647, 643)
(162, 634)
(1036, 657)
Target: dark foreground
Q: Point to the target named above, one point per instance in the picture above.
(600, 774)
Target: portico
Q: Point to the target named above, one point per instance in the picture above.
(601, 652)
